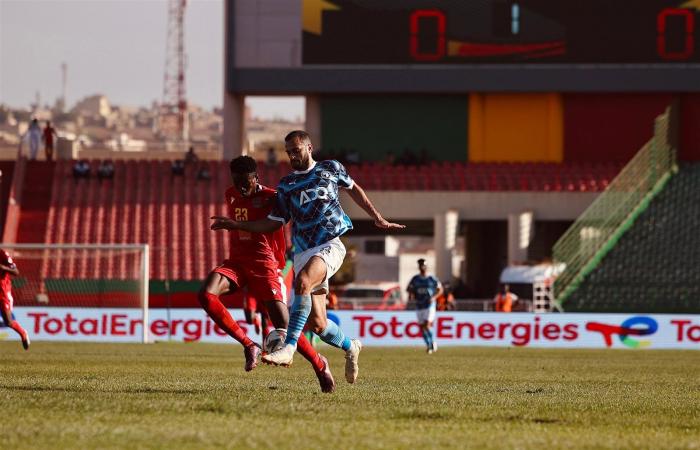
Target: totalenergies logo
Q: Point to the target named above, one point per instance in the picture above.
(634, 326)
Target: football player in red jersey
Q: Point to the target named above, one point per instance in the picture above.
(7, 268)
(254, 262)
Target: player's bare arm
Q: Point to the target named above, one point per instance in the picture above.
(12, 270)
(438, 293)
(256, 226)
(358, 196)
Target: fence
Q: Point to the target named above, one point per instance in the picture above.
(597, 230)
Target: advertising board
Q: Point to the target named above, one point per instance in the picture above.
(379, 328)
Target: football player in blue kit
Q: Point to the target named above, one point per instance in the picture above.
(425, 289)
(309, 197)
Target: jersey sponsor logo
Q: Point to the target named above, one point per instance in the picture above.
(310, 195)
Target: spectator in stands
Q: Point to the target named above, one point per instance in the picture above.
(178, 168)
(105, 171)
(203, 173)
(271, 157)
(49, 134)
(81, 169)
(34, 135)
(503, 301)
(191, 157)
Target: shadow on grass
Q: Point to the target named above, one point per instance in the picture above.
(423, 415)
(545, 420)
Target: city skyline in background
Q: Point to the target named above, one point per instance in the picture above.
(115, 48)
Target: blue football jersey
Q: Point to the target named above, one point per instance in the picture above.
(310, 200)
(423, 288)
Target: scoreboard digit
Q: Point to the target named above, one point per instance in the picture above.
(502, 32)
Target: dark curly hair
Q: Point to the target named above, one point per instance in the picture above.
(243, 165)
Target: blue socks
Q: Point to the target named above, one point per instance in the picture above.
(428, 338)
(301, 308)
(334, 336)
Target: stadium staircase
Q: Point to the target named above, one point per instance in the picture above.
(634, 249)
(36, 198)
(654, 266)
(6, 174)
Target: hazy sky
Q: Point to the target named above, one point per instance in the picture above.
(113, 47)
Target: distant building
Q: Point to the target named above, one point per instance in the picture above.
(95, 105)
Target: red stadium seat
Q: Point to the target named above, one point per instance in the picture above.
(144, 203)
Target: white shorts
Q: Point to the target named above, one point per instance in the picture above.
(332, 253)
(427, 314)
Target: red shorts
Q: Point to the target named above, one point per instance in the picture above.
(253, 305)
(263, 283)
(6, 300)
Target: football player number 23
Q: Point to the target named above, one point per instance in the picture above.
(240, 214)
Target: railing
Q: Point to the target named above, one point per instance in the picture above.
(597, 230)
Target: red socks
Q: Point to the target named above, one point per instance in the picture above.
(18, 328)
(307, 350)
(220, 315)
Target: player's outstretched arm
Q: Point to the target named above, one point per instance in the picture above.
(12, 270)
(256, 226)
(358, 196)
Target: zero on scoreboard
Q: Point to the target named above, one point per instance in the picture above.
(501, 31)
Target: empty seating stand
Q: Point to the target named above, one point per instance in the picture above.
(144, 202)
(461, 176)
(654, 266)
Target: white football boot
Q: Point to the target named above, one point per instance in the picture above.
(351, 357)
(282, 357)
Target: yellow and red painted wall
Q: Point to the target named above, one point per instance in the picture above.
(506, 127)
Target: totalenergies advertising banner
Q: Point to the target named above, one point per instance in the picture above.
(379, 328)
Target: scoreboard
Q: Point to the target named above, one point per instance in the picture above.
(435, 32)
(460, 46)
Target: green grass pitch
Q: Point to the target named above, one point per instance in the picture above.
(61, 395)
